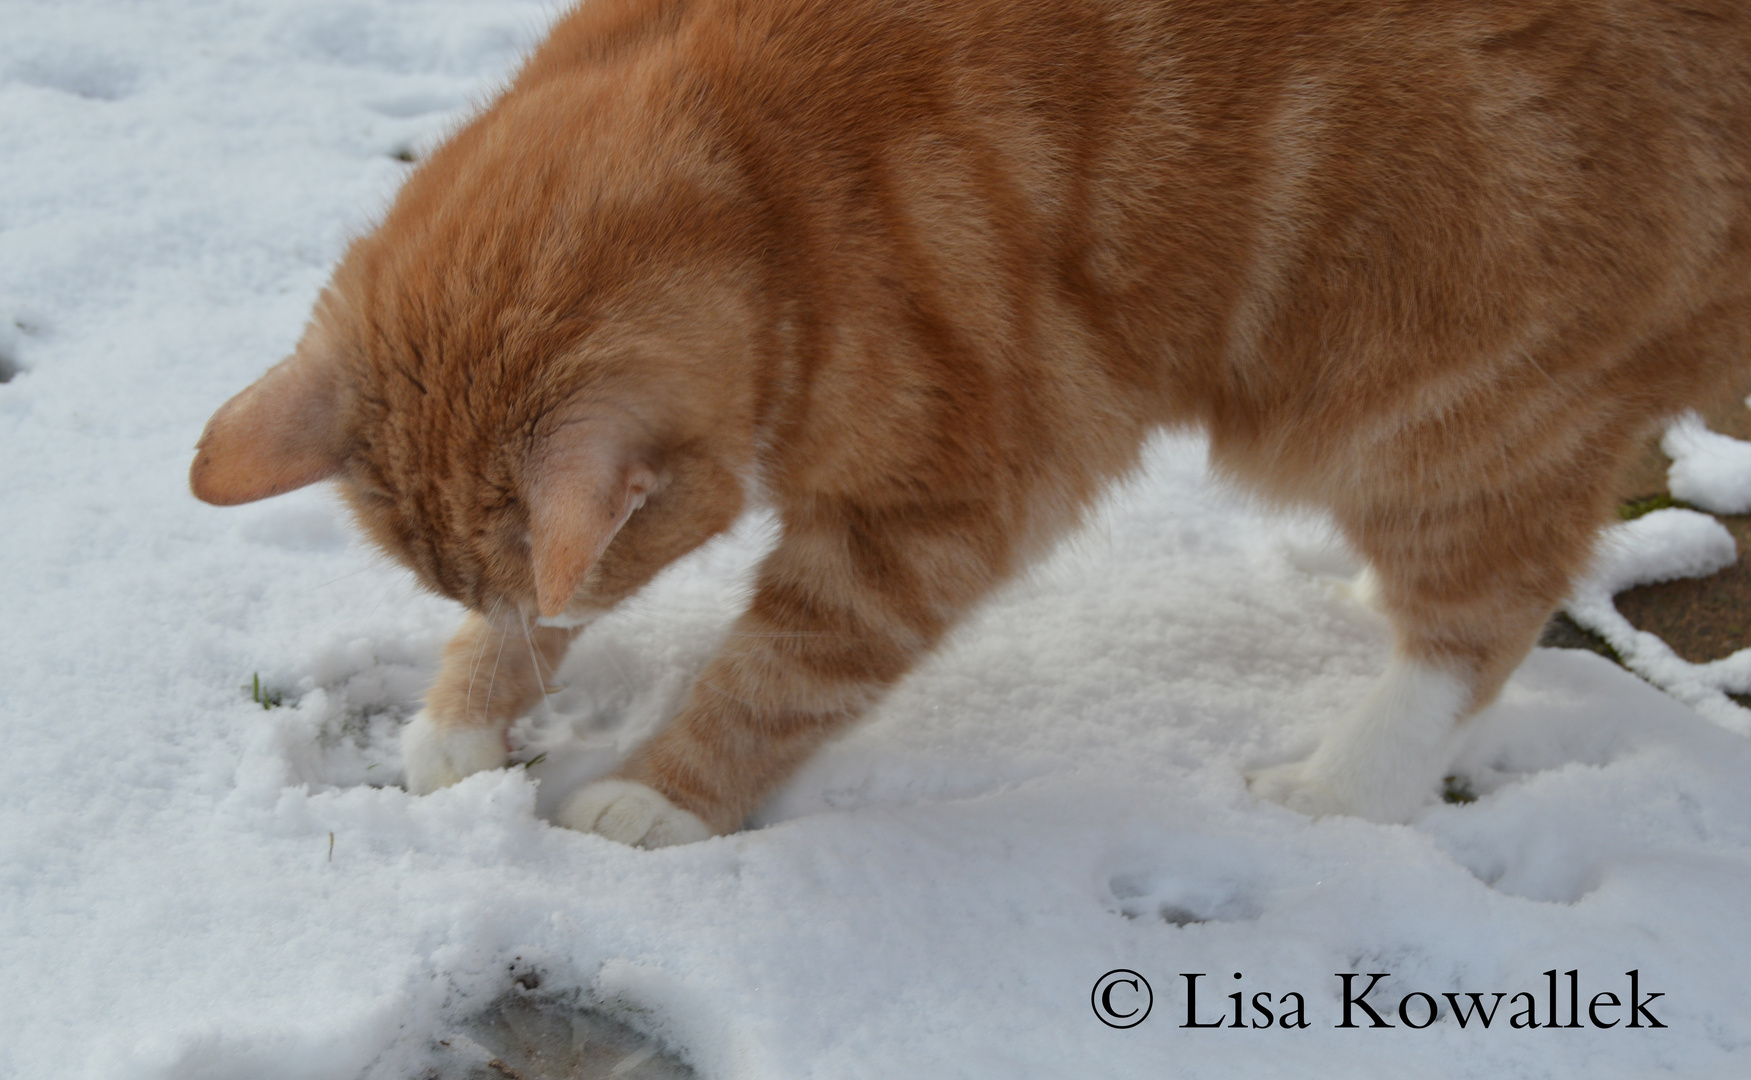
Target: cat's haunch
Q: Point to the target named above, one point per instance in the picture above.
(923, 275)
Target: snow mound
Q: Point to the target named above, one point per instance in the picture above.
(1709, 470)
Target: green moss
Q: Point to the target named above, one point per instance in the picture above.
(1457, 790)
(1563, 632)
(1635, 508)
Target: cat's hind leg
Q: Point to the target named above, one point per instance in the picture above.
(1385, 756)
(491, 674)
(1468, 585)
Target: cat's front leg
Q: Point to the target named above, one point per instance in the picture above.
(844, 606)
(492, 672)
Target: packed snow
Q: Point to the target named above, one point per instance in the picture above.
(208, 871)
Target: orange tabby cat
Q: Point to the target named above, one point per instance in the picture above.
(923, 275)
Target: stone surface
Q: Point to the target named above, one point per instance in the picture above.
(1702, 619)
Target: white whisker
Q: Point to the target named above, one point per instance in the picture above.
(540, 678)
(474, 663)
(498, 656)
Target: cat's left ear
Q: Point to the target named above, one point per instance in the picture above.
(583, 483)
(283, 432)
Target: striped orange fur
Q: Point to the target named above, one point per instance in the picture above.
(924, 274)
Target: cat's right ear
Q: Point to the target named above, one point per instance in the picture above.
(583, 484)
(280, 434)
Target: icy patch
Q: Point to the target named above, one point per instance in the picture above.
(549, 1037)
(1709, 470)
(1662, 546)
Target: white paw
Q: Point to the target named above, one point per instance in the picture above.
(631, 813)
(1377, 781)
(433, 758)
(1307, 788)
(1372, 780)
(1382, 761)
(1292, 786)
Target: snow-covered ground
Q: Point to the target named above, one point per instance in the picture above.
(194, 886)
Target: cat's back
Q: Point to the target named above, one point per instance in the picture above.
(1128, 137)
(1279, 218)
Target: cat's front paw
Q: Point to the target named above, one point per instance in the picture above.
(632, 813)
(434, 757)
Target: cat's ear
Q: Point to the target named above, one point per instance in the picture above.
(283, 432)
(583, 483)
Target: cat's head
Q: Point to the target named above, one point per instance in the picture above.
(533, 394)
